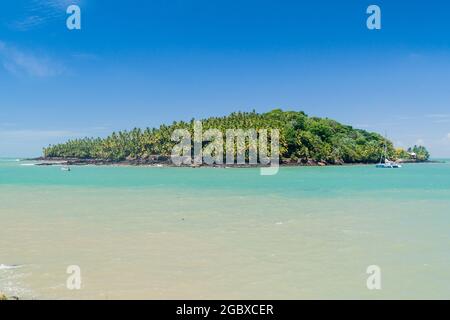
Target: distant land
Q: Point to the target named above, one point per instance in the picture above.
(303, 141)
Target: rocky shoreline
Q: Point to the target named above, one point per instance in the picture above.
(165, 161)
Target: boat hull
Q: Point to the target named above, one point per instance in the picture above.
(388, 166)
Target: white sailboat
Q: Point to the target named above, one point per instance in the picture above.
(385, 163)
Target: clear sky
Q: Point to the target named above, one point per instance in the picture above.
(143, 63)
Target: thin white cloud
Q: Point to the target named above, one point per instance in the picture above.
(30, 135)
(439, 118)
(438, 115)
(403, 117)
(443, 120)
(58, 4)
(19, 63)
(28, 23)
(448, 136)
(29, 142)
(39, 12)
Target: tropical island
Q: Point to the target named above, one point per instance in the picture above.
(303, 141)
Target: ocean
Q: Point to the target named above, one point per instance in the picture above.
(206, 233)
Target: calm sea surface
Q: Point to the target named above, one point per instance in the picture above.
(151, 233)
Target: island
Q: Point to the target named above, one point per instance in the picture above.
(303, 141)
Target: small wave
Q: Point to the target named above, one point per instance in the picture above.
(8, 267)
(27, 164)
(9, 160)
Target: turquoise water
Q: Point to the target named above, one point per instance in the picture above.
(308, 232)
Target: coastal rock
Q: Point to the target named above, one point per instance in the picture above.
(310, 162)
(287, 161)
(163, 158)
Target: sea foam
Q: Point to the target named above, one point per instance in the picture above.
(8, 267)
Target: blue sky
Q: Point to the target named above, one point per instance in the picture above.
(143, 63)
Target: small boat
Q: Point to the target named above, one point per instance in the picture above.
(389, 165)
(385, 163)
(65, 168)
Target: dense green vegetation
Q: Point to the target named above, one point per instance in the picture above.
(418, 153)
(302, 138)
(421, 152)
